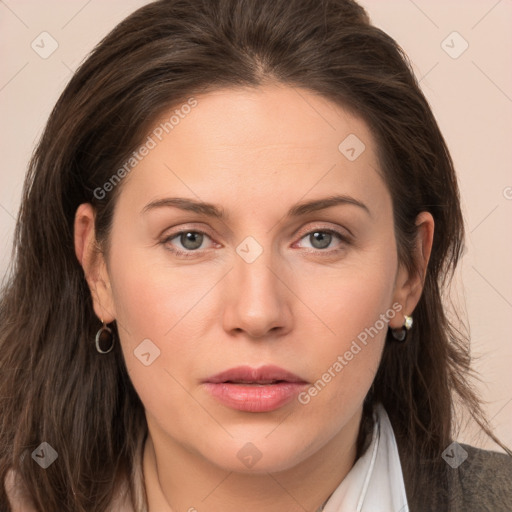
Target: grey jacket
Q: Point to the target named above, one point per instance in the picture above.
(482, 483)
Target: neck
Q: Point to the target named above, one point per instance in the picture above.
(178, 479)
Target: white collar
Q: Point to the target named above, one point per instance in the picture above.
(375, 483)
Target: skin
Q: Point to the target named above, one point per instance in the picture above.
(255, 153)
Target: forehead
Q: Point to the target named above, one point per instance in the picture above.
(268, 119)
(258, 142)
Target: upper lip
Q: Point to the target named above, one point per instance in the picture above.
(262, 375)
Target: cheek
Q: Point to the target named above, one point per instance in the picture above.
(152, 297)
(353, 309)
(152, 304)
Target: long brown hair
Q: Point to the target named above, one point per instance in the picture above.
(55, 387)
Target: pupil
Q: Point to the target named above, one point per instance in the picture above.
(323, 238)
(191, 240)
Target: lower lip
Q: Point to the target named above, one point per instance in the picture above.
(252, 397)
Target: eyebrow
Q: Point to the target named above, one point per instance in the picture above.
(215, 211)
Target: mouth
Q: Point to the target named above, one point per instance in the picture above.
(249, 389)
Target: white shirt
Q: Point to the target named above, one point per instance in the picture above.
(375, 483)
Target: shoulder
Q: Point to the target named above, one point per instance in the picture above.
(19, 498)
(17, 494)
(469, 479)
(485, 478)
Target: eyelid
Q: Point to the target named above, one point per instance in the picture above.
(348, 236)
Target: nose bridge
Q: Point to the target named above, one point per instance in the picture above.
(257, 299)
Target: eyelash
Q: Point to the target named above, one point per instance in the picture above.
(345, 239)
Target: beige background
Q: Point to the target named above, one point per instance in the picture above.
(471, 96)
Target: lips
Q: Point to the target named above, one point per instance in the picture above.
(249, 389)
(248, 375)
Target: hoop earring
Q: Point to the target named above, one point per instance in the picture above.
(401, 333)
(104, 339)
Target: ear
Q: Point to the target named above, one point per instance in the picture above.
(409, 285)
(93, 263)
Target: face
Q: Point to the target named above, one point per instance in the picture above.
(268, 284)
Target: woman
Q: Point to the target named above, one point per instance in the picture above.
(231, 250)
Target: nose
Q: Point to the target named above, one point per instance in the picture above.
(257, 299)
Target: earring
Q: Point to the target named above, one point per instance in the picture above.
(401, 333)
(104, 339)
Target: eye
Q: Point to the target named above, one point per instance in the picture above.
(190, 240)
(321, 239)
(189, 243)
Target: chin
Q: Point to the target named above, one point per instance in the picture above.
(260, 456)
